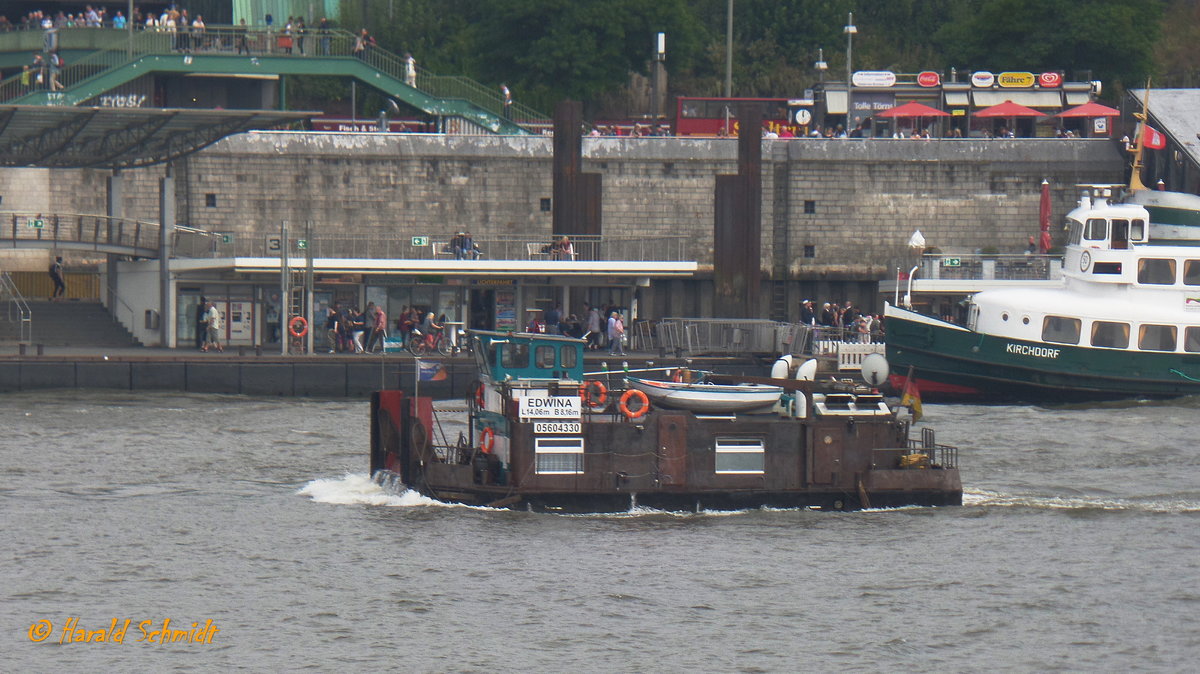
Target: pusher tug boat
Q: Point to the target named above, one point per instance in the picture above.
(1125, 323)
(542, 436)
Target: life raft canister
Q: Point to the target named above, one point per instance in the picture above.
(594, 394)
(641, 410)
(298, 327)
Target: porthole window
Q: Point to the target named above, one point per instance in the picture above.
(1025, 320)
(1004, 316)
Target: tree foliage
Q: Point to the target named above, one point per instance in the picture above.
(547, 50)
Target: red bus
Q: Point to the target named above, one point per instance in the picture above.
(697, 116)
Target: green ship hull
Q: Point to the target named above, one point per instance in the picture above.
(951, 363)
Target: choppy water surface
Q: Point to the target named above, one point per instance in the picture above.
(1077, 550)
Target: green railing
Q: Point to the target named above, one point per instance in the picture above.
(125, 49)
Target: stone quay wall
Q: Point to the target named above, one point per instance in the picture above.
(834, 211)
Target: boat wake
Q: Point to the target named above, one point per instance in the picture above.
(359, 489)
(978, 498)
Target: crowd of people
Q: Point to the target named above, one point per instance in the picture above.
(348, 330)
(601, 326)
(841, 322)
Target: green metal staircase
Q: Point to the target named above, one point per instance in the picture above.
(231, 51)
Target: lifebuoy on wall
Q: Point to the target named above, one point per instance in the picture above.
(487, 440)
(475, 394)
(594, 394)
(641, 410)
(298, 327)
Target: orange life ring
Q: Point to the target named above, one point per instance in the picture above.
(597, 400)
(641, 411)
(298, 327)
(487, 440)
(476, 394)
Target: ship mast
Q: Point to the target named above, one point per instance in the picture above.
(1135, 174)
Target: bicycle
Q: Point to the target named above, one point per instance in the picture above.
(421, 344)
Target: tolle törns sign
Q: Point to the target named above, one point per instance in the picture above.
(929, 79)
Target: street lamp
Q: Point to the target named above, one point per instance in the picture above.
(729, 50)
(850, 30)
(821, 66)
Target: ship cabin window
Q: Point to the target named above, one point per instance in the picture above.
(1191, 340)
(1156, 338)
(1075, 232)
(1110, 335)
(1120, 234)
(1137, 230)
(543, 356)
(514, 356)
(1191, 272)
(568, 353)
(558, 456)
(1156, 271)
(740, 456)
(1061, 329)
(1096, 230)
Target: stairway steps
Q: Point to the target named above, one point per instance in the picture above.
(71, 323)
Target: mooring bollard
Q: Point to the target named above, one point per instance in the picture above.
(20, 349)
(41, 349)
(258, 349)
(241, 350)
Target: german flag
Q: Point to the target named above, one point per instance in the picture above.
(911, 397)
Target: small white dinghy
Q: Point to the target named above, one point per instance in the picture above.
(703, 397)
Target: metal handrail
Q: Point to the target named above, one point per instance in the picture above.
(112, 292)
(420, 246)
(17, 309)
(96, 230)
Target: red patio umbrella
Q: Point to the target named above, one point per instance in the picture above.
(913, 109)
(1090, 110)
(1008, 109)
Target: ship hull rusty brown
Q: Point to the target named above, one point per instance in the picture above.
(558, 443)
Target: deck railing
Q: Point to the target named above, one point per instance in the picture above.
(977, 266)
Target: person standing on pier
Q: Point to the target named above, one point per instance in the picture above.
(213, 317)
(201, 323)
(56, 275)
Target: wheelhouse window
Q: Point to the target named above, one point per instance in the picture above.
(1110, 335)
(558, 456)
(1156, 338)
(568, 354)
(1156, 271)
(544, 356)
(1075, 233)
(1191, 272)
(1137, 230)
(1061, 329)
(740, 456)
(514, 356)
(1096, 230)
(1120, 234)
(1191, 340)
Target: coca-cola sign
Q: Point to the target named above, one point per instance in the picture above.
(929, 79)
(983, 79)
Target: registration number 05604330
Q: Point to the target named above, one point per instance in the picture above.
(557, 427)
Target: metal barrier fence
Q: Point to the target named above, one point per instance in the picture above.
(535, 246)
(698, 336)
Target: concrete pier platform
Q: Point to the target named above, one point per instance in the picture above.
(246, 372)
